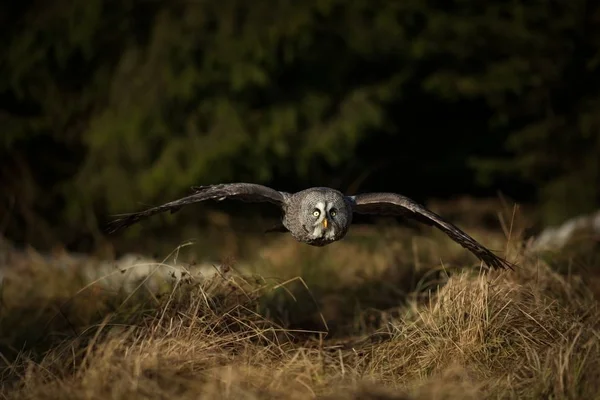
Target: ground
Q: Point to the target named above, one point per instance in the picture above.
(403, 315)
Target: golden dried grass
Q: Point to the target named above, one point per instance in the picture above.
(528, 333)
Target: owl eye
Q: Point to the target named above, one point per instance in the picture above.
(316, 213)
(333, 212)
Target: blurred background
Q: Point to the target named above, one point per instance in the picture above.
(107, 107)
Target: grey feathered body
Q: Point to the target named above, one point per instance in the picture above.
(319, 216)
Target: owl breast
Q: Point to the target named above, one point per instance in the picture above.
(320, 241)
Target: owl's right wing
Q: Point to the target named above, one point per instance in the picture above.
(395, 204)
(247, 192)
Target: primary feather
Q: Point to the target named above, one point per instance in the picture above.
(248, 192)
(395, 204)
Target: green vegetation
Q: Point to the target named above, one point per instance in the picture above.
(108, 104)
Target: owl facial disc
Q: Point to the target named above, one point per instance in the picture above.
(323, 225)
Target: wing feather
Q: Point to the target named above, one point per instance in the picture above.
(247, 192)
(395, 204)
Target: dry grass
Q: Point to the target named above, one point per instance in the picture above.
(531, 333)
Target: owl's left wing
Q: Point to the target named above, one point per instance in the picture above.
(248, 192)
(395, 204)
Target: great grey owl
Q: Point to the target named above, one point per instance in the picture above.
(319, 216)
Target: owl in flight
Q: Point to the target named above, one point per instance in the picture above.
(319, 216)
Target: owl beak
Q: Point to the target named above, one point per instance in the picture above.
(325, 223)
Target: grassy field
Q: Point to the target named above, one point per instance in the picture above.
(403, 316)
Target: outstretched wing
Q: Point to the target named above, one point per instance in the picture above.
(395, 204)
(248, 192)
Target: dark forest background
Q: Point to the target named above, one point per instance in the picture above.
(107, 105)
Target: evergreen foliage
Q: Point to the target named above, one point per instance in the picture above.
(105, 104)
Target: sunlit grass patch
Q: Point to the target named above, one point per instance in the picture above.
(356, 321)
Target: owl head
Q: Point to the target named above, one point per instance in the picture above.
(324, 214)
